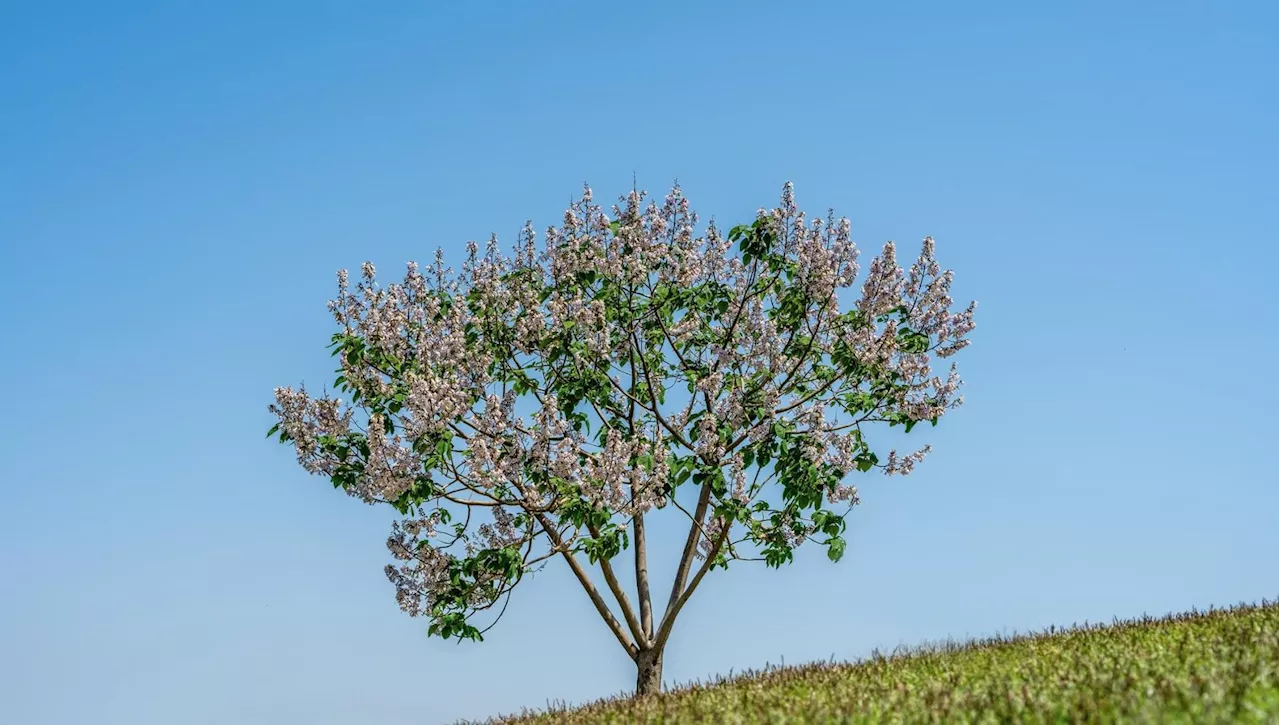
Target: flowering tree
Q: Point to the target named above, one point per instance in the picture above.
(542, 406)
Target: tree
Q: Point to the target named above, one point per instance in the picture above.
(543, 406)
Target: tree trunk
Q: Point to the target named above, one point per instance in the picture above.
(648, 672)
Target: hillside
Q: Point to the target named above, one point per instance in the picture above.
(1198, 667)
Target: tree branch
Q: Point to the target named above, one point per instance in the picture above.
(585, 580)
(669, 619)
(620, 594)
(690, 546)
(642, 577)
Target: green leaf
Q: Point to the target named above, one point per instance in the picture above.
(835, 548)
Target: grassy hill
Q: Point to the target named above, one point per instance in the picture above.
(1218, 666)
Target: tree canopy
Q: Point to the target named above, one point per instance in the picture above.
(541, 404)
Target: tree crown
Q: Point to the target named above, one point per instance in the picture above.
(540, 404)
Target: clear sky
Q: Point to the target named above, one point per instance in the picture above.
(180, 181)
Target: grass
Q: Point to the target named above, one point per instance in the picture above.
(1218, 666)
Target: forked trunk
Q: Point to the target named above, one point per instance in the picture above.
(648, 672)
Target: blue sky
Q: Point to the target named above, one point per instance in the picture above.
(179, 182)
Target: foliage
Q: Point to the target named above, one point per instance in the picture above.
(540, 405)
(1200, 667)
